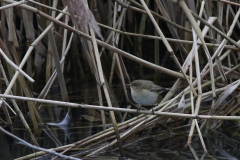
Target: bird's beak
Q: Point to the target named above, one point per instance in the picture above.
(128, 84)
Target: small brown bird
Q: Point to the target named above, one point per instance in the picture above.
(145, 92)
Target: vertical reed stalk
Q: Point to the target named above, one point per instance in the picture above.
(102, 80)
(167, 45)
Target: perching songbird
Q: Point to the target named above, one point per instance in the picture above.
(145, 92)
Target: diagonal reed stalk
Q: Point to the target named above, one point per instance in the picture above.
(102, 80)
(122, 23)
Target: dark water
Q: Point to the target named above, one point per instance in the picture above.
(165, 140)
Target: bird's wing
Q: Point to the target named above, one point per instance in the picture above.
(157, 88)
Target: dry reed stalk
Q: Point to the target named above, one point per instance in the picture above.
(115, 25)
(12, 5)
(12, 36)
(171, 28)
(102, 80)
(203, 74)
(220, 18)
(48, 85)
(25, 59)
(159, 38)
(35, 117)
(167, 45)
(51, 78)
(229, 110)
(233, 14)
(18, 110)
(64, 45)
(80, 9)
(187, 63)
(220, 48)
(141, 30)
(49, 60)
(56, 58)
(115, 56)
(113, 41)
(216, 30)
(30, 35)
(156, 15)
(101, 103)
(15, 66)
(194, 122)
(218, 51)
(226, 72)
(195, 48)
(160, 113)
(198, 32)
(123, 53)
(204, 85)
(22, 81)
(201, 11)
(48, 7)
(31, 107)
(229, 2)
(156, 50)
(37, 148)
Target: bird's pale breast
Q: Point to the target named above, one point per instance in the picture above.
(145, 97)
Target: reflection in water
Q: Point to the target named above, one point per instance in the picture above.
(63, 125)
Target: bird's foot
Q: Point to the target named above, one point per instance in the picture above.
(138, 108)
(152, 111)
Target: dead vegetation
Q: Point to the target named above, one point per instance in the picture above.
(49, 40)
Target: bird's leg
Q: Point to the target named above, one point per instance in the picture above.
(145, 120)
(152, 110)
(138, 107)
